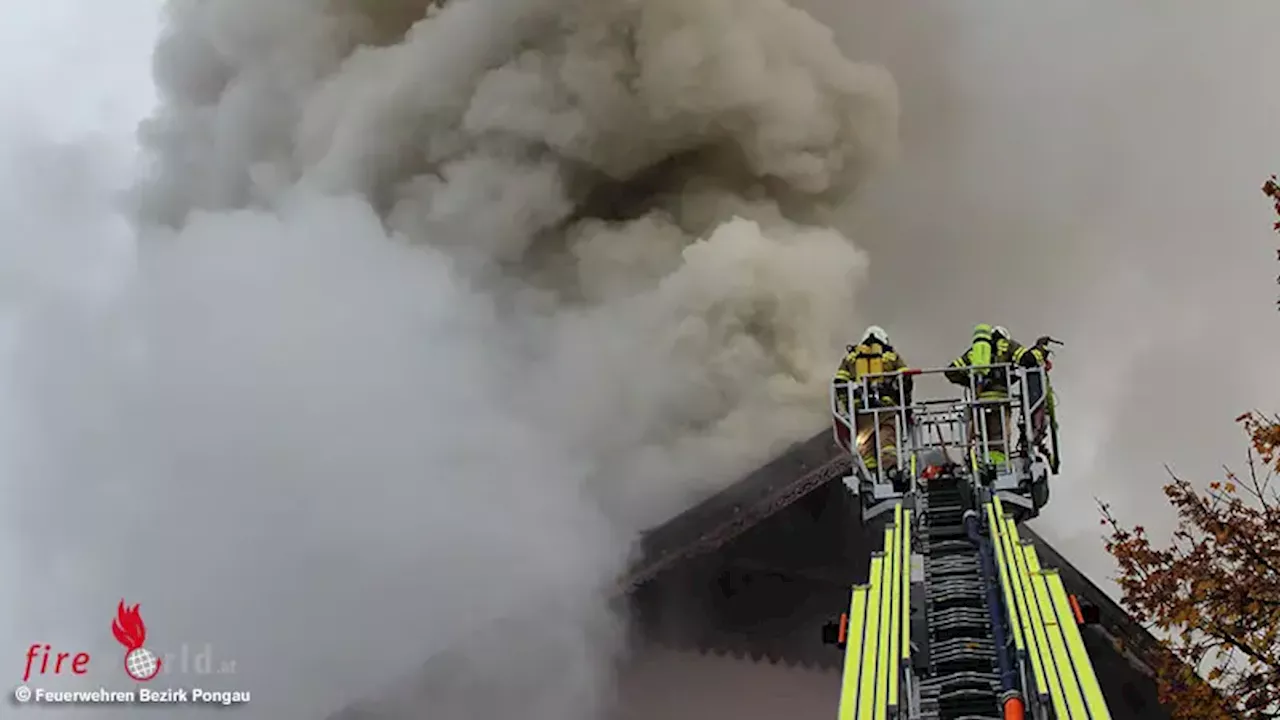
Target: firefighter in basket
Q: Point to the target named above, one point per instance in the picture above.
(873, 355)
(993, 345)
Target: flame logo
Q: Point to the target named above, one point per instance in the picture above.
(139, 663)
(128, 627)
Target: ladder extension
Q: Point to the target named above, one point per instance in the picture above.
(958, 619)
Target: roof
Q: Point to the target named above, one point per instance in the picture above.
(752, 573)
(778, 507)
(710, 525)
(808, 466)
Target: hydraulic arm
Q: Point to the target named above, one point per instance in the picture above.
(958, 620)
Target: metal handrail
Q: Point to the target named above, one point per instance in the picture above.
(967, 416)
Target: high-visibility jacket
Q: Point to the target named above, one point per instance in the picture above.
(986, 349)
(873, 358)
(1028, 357)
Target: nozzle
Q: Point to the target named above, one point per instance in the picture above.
(1045, 341)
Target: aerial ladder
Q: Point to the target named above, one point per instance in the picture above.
(958, 619)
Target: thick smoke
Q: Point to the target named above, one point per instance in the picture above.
(426, 319)
(622, 176)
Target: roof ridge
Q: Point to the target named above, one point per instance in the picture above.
(761, 494)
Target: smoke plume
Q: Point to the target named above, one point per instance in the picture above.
(430, 311)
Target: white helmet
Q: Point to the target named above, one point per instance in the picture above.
(1002, 331)
(877, 332)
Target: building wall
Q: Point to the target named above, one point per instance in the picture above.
(661, 684)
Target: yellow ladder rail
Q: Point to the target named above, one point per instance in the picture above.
(1041, 614)
(876, 635)
(1020, 610)
(1085, 674)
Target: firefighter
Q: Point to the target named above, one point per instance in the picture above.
(874, 355)
(993, 345)
(1032, 357)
